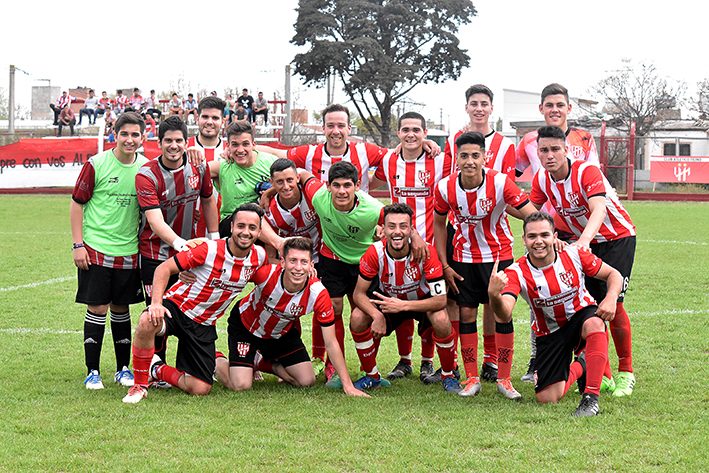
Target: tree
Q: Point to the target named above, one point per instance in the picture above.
(700, 102)
(380, 50)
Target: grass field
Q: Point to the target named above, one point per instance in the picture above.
(50, 422)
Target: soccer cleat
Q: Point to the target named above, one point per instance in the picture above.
(124, 377)
(471, 387)
(436, 377)
(93, 380)
(529, 375)
(401, 370)
(607, 385)
(318, 366)
(334, 381)
(625, 381)
(581, 381)
(588, 406)
(451, 385)
(489, 372)
(135, 394)
(504, 387)
(367, 382)
(329, 371)
(154, 364)
(426, 370)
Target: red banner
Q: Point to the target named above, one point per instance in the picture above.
(689, 169)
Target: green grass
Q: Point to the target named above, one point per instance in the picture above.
(49, 422)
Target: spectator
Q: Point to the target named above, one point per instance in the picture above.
(190, 107)
(240, 114)
(228, 108)
(150, 126)
(153, 105)
(176, 106)
(67, 117)
(104, 103)
(120, 102)
(110, 117)
(137, 101)
(247, 101)
(63, 101)
(90, 106)
(261, 108)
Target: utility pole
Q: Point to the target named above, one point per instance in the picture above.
(11, 104)
(286, 121)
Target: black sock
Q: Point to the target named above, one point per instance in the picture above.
(120, 326)
(94, 328)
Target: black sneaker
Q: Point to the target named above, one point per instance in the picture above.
(588, 406)
(401, 370)
(426, 370)
(489, 372)
(581, 382)
(436, 377)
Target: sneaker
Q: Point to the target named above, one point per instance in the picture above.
(471, 387)
(318, 366)
(489, 372)
(160, 385)
(367, 382)
(529, 375)
(93, 380)
(135, 394)
(329, 371)
(588, 406)
(436, 377)
(505, 388)
(451, 385)
(624, 384)
(581, 381)
(401, 370)
(426, 370)
(607, 385)
(334, 381)
(124, 377)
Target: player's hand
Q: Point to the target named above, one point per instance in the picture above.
(195, 155)
(352, 391)
(559, 245)
(226, 156)
(582, 243)
(397, 150)
(379, 326)
(606, 309)
(431, 147)
(265, 202)
(187, 277)
(378, 233)
(419, 249)
(387, 305)
(498, 281)
(157, 313)
(81, 258)
(313, 272)
(451, 277)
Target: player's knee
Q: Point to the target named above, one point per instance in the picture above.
(546, 397)
(304, 381)
(239, 384)
(359, 321)
(441, 324)
(594, 324)
(199, 389)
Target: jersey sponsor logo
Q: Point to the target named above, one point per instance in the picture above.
(567, 278)
(226, 285)
(296, 309)
(424, 177)
(113, 180)
(180, 201)
(365, 266)
(413, 273)
(243, 348)
(573, 197)
(486, 204)
(193, 181)
(558, 299)
(353, 229)
(575, 213)
(595, 184)
(412, 192)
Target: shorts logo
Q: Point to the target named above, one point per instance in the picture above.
(193, 181)
(424, 177)
(486, 205)
(412, 272)
(573, 197)
(352, 228)
(296, 309)
(311, 215)
(243, 348)
(567, 278)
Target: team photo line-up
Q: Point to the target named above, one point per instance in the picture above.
(187, 231)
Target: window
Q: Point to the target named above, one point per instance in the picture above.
(670, 149)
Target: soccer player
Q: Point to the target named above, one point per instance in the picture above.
(392, 287)
(189, 311)
(264, 322)
(565, 316)
(477, 198)
(104, 216)
(582, 196)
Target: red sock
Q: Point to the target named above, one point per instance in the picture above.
(169, 374)
(490, 348)
(596, 359)
(622, 338)
(427, 344)
(505, 335)
(263, 365)
(367, 352)
(456, 335)
(141, 364)
(405, 339)
(445, 347)
(575, 372)
(218, 354)
(469, 348)
(340, 332)
(607, 369)
(318, 340)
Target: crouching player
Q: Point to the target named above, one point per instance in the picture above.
(565, 316)
(403, 289)
(264, 320)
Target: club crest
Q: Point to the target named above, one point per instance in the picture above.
(567, 278)
(242, 348)
(412, 272)
(295, 309)
(424, 177)
(311, 215)
(193, 181)
(573, 197)
(486, 205)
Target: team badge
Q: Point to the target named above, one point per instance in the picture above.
(352, 228)
(247, 273)
(573, 198)
(567, 278)
(193, 181)
(243, 348)
(424, 177)
(412, 272)
(486, 205)
(311, 215)
(488, 156)
(296, 310)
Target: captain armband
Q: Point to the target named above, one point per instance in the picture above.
(438, 288)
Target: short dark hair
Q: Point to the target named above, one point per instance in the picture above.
(343, 170)
(190, 95)
(174, 94)
(152, 91)
(173, 123)
(335, 107)
(555, 89)
(551, 131)
(211, 102)
(249, 207)
(129, 118)
(120, 91)
(478, 89)
(470, 138)
(92, 90)
(281, 164)
(537, 216)
(414, 116)
(136, 89)
(297, 243)
(244, 90)
(239, 127)
(398, 208)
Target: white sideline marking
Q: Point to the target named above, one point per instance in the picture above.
(671, 312)
(677, 242)
(35, 284)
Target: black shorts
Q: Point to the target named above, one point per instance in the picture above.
(100, 286)
(476, 278)
(394, 320)
(288, 350)
(617, 253)
(147, 272)
(338, 277)
(555, 350)
(195, 346)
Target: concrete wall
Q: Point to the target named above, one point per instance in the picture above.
(42, 96)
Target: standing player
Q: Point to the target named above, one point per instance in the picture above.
(104, 218)
(392, 287)
(565, 316)
(189, 311)
(264, 322)
(477, 199)
(582, 196)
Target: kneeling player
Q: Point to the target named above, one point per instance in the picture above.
(263, 322)
(565, 316)
(406, 290)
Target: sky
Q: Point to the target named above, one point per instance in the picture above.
(513, 44)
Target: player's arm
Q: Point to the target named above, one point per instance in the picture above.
(269, 236)
(76, 219)
(389, 305)
(281, 153)
(211, 216)
(440, 237)
(363, 303)
(214, 167)
(501, 304)
(597, 208)
(157, 224)
(614, 284)
(338, 361)
(195, 155)
(419, 248)
(375, 183)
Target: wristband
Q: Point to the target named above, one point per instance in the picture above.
(213, 235)
(445, 267)
(76, 245)
(179, 244)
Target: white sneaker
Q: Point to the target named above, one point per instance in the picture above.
(135, 394)
(504, 387)
(93, 380)
(124, 377)
(471, 387)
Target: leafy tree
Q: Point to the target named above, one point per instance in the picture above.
(700, 102)
(380, 49)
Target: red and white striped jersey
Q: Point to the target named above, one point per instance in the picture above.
(499, 152)
(176, 193)
(210, 152)
(65, 101)
(414, 183)
(570, 200)
(120, 103)
(579, 142)
(482, 232)
(314, 159)
(301, 220)
(403, 278)
(220, 278)
(556, 292)
(270, 310)
(114, 262)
